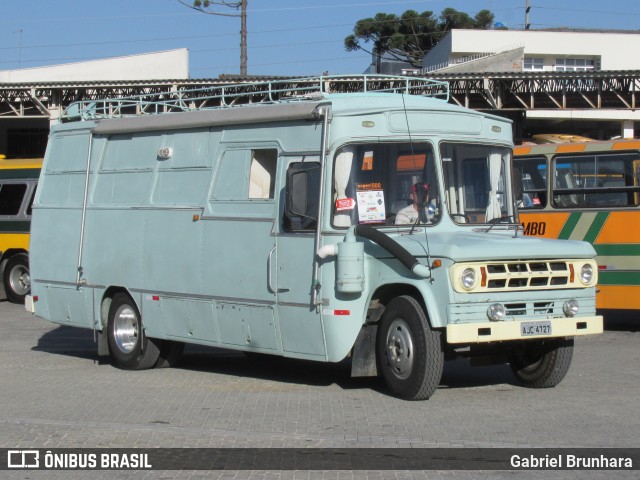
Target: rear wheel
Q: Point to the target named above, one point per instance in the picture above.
(129, 347)
(16, 278)
(409, 351)
(541, 363)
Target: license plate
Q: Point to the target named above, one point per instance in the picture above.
(528, 329)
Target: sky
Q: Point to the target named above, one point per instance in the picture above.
(285, 37)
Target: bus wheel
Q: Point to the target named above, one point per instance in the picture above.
(410, 354)
(129, 348)
(16, 278)
(541, 364)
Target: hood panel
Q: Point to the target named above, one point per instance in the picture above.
(480, 246)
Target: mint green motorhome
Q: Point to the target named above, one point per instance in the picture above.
(312, 218)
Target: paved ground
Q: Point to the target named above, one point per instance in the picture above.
(55, 392)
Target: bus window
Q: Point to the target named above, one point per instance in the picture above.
(534, 182)
(605, 180)
(11, 196)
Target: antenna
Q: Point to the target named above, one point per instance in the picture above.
(526, 16)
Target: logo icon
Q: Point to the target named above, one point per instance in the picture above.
(23, 459)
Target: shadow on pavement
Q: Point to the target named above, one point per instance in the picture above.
(621, 320)
(78, 342)
(71, 341)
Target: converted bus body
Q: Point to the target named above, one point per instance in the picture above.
(18, 179)
(595, 197)
(270, 229)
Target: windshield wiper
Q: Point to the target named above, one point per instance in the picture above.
(495, 221)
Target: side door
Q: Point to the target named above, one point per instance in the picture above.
(300, 321)
(239, 238)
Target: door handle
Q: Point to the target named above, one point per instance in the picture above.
(272, 289)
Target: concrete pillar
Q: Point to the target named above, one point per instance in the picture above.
(54, 116)
(628, 130)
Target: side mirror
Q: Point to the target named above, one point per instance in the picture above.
(302, 192)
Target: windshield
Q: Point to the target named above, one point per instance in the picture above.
(385, 184)
(477, 186)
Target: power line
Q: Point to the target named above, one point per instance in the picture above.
(158, 15)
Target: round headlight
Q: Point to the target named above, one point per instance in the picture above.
(570, 308)
(468, 278)
(586, 273)
(495, 312)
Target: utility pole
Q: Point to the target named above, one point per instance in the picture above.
(526, 16)
(243, 39)
(206, 6)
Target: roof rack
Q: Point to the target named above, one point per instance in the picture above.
(248, 94)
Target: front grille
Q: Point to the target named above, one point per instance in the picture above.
(521, 275)
(526, 275)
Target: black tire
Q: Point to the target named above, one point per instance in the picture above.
(409, 352)
(129, 348)
(16, 278)
(541, 363)
(170, 354)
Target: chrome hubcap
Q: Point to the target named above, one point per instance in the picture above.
(20, 280)
(125, 329)
(400, 349)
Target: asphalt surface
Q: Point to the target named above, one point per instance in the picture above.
(55, 392)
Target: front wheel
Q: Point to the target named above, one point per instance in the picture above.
(410, 354)
(128, 346)
(541, 363)
(16, 278)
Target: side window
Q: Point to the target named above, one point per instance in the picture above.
(262, 173)
(604, 180)
(231, 177)
(11, 197)
(302, 191)
(533, 172)
(245, 183)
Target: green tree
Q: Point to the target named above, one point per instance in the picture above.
(210, 7)
(410, 36)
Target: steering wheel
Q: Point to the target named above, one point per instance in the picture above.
(462, 215)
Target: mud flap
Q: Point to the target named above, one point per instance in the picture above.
(363, 357)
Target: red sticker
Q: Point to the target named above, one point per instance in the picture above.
(345, 204)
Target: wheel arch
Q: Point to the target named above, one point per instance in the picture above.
(4, 256)
(105, 303)
(383, 294)
(363, 352)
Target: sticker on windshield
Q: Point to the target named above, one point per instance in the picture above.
(343, 204)
(371, 207)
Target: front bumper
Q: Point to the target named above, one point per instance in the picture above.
(468, 333)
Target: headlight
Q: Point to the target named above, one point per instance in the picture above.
(468, 278)
(495, 312)
(586, 273)
(570, 308)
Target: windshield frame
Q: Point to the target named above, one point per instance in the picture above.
(456, 194)
(403, 150)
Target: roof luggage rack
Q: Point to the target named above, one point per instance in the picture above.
(251, 94)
